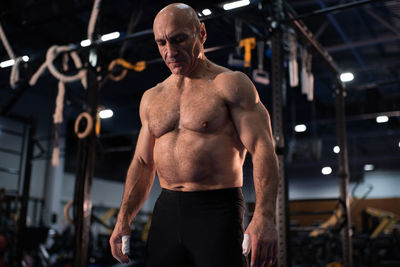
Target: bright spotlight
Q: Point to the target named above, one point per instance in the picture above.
(7, 63)
(326, 170)
(25, 58)
(206, 12)
(369, 167)
(382, 119)
(106, 113)
(300, 128)
(86, 43)
(346, 77)
(336, 149)
(236, 4)
(110, 36)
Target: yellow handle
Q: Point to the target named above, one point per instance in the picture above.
(248, 44)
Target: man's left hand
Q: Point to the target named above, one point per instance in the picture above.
(263, 241)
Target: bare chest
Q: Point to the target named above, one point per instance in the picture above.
(195, 109)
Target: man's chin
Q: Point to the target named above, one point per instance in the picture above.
(178, 70)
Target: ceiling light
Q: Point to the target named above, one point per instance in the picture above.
(369, 167)
(85, 43)
(300, 128)
(206, 12)
(199, 14)
(336, 149)
(236, 4)
(106, 113)
(399, 144)
(382, 119)
(25, 58)
(326, 170)
(7, 63)
(346, 77)
(110, 36)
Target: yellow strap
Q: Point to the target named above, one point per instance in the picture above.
(138, 66)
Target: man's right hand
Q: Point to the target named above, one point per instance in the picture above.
(116, 243)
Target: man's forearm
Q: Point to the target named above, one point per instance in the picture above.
(265, 172)
(139, 180)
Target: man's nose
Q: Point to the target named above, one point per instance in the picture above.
(171, 49)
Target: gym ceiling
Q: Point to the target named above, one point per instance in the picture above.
(364, 40)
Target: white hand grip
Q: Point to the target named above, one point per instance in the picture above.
(126, 244)
(246, 245)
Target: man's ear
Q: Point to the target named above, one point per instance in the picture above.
(203, 33)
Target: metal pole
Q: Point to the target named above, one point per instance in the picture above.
(25, 192)
(343, 175)
(278, 84)
(84, 177)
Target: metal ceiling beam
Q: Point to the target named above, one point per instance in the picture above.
(345, 38)
(326, 10)
(383, 22)
(309, 38)
(363, 43)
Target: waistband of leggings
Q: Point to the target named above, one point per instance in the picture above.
(234, 191)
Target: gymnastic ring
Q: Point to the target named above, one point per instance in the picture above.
(66, 211)
(119, 77)
(52, 54)
(89, 125)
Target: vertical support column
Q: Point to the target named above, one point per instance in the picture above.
(277, 119)
(343, 175)
(84, 176)
(30, 131)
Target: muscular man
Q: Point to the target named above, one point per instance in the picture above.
(197, 126)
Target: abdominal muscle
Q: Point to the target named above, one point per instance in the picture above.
(186, 160)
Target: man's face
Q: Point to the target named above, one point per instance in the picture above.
(178, 42)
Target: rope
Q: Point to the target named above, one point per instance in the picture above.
(14, 77)
(93, 19)
(6, 44)
(58, 114)
(52, 54)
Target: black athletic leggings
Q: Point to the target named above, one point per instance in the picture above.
(197, 229)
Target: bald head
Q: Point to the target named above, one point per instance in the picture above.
(179, 12)
(180, 37)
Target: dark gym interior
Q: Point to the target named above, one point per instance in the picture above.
(337, 128)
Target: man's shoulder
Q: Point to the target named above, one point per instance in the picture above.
(230, 76)
(157, 89)
(235, 86)
(152, 92)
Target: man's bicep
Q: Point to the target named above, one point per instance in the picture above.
(253, 126)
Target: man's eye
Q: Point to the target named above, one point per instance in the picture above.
(179, 39)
